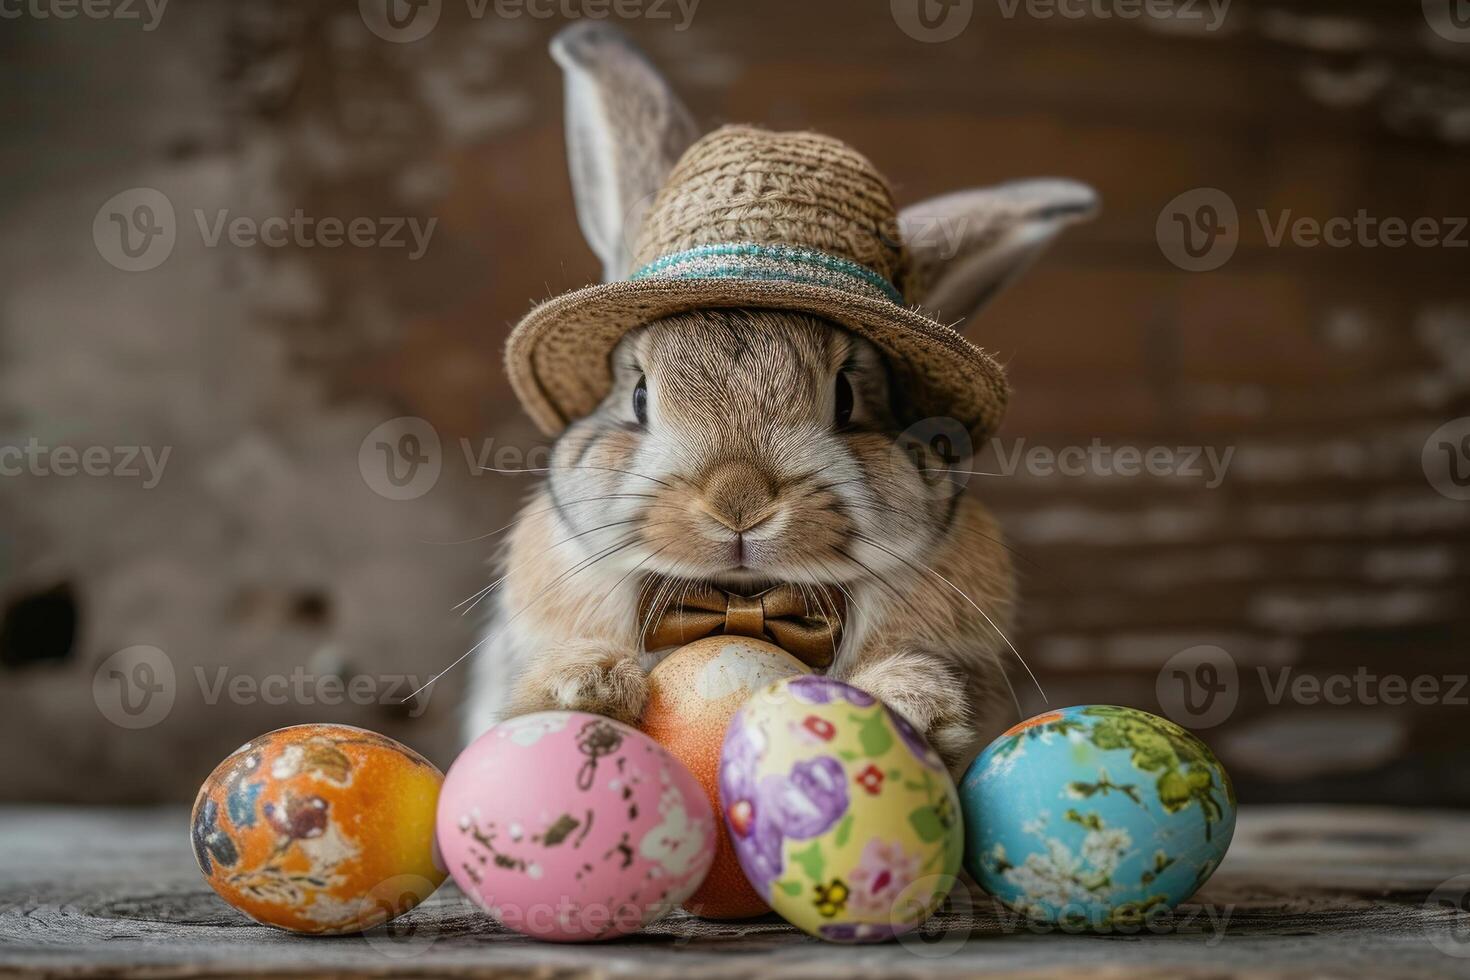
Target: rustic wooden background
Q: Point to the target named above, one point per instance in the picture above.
(1325, 549)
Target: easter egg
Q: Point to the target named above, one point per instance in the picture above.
(693, 694)
(321, 829)
(571, 827)
(843, 817)
(1096, 815)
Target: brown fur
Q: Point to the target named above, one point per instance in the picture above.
(740, 478)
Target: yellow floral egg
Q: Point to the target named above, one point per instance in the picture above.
(322, 829)
(842, 816)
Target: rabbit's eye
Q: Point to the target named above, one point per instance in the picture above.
(640, 400)
(843, 414)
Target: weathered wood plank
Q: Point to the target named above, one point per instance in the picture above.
(1304, 892)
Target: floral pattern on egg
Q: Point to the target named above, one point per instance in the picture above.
(842, 816)
(321, 829)
(1096, 815)
(570, 827)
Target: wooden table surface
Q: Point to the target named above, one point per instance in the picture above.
(1304, 892)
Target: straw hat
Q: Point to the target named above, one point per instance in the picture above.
(753, 218)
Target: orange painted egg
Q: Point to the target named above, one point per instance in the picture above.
(321, 829)
(693, 694)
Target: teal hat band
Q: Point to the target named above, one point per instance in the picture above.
(784, 263)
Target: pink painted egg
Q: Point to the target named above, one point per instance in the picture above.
(571, 827)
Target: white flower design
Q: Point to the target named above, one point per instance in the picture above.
(1001, 763)
(288, 763)
(1103, 849)
(530, 729)
(677, 840)
(737, 668)
(1059, 879)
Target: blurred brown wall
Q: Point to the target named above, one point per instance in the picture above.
(1325, 550)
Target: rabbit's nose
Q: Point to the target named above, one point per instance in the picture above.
(738, 495)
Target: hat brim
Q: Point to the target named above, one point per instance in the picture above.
(559, 365)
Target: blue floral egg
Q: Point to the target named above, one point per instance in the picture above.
(1095, 816)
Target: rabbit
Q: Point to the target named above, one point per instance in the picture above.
(748, 447)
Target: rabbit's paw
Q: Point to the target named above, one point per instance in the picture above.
(585, 675)
(931, 696)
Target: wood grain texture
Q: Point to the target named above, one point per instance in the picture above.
(1304, 892)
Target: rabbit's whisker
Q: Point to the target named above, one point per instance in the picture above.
(873, 575)
(600, 527)
(811, 597)
(1004, 675)
(576, 628)
(577, 569)
(903, 600)
(580, 466)
(852, 606)
(921, 567)
(649, 582)
(536, 513)
(908, 516)
(834, 579)
(660, 603)
(479, 595)
(966, 472)
(888, 508)
(475, 599)
(667, 583)
(625, 576)
(684, 588)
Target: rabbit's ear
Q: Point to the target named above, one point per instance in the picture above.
(964, 247)
(625, 130)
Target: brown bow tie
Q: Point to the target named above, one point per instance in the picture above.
(807, 626)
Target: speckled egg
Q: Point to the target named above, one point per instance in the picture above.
(322, 829)
(571, 827)
(1095, 816)
(693, 694)
(843, 817)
